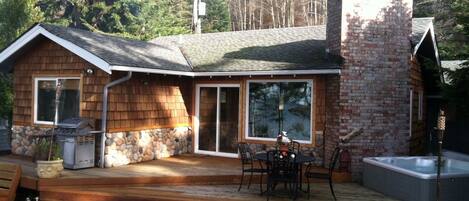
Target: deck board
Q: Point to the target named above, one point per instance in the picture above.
(319, 192)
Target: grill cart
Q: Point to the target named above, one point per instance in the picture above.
(77, 141)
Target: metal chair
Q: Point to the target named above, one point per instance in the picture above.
(296, 146)
(282, 169)
(309, 174)
(247, 164)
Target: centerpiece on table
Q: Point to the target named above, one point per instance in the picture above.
(48, 152)
(283, 143)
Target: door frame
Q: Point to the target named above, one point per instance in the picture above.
(196, 121)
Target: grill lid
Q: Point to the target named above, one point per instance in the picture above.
(76, 123)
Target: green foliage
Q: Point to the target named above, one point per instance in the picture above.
(454, 30)
(137, 19)
(41, 150)
(6, 96)
(16, 17)
(457, 92)
(217, 17)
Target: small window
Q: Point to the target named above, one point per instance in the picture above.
(420, 112)
(45, 93)
(275, 106)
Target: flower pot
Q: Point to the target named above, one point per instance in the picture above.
(49, 169)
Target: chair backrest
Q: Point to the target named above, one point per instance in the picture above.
(9, 179)
(245, 153)
(281, 165)
(295, 146)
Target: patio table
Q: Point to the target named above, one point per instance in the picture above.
(300, 159)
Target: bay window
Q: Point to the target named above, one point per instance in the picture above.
(279, 105)
(44, 100)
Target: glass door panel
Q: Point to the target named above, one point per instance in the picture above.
(208, 118)
(228, 118)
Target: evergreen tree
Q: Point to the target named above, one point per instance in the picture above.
(16, 17)
(217, 17)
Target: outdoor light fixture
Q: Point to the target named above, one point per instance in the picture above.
(89, 71)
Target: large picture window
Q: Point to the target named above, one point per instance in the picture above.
(275, 106)
(44, 100)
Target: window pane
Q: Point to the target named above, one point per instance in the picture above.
(208, 118)
(296, 116)
(229, 115)
(280, 106)
(263, 110)
(69, 106)
(45, 100)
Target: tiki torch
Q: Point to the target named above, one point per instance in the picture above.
(440, 132)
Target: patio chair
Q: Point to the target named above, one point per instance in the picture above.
(310, 174)
(283, 169)
(247, 164)
(9, 179)
(295, 146)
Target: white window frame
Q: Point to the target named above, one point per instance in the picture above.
(36, 91)
(246, 129)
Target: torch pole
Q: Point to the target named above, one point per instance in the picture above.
(438, 172)
(440, 132)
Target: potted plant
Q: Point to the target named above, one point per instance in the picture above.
(48, 167)
(52, 165)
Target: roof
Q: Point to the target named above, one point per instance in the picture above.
(105, 51)
(420, 26)
(123, 52)
(452, 64)
(298, 48)
(267, 51)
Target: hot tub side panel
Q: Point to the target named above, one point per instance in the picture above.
(408, 188)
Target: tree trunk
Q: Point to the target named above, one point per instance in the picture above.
(272, 13)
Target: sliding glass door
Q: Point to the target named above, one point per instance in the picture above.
(217, 123)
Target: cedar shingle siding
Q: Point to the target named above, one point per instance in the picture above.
(143, 102)
(150, 101)
(49, 59)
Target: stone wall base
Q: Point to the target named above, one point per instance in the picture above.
(22, 142)
(136, 146)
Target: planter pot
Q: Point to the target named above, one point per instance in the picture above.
(49, 169)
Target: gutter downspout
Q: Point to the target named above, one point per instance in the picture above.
(104, 113)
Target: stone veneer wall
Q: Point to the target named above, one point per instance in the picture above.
(122, 147)
(22, 141)
(375, 76)
(136, 146)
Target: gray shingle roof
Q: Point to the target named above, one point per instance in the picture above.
(123, 52)
(419, 27)
(299, 48)
(452, 64)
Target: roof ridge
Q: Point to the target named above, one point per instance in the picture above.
(238, 32)
(92, 32)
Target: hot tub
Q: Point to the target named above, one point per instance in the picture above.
(414, 178)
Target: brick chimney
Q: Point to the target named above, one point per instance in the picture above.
(372, 38)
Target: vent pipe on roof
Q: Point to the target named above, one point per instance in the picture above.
(104, 114)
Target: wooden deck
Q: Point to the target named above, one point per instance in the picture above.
(195, 169)
(319, 192)
(197, 177)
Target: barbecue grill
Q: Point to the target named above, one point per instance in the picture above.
(77, 142)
